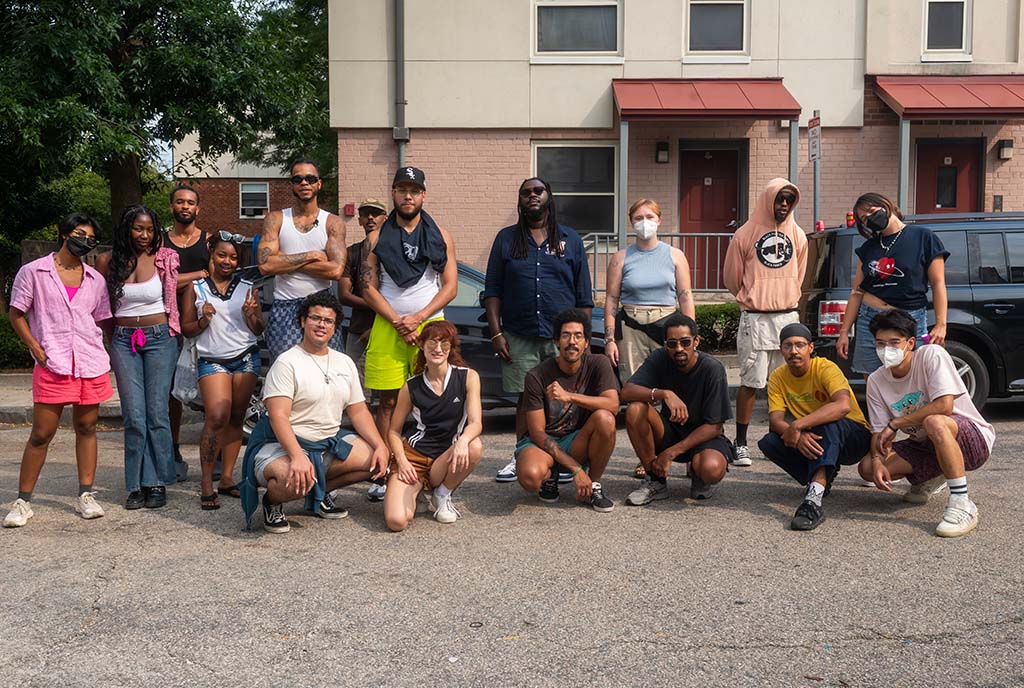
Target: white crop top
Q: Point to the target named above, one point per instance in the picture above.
(141, 298)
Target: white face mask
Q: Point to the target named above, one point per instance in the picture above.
(890, 356)
(645, 229)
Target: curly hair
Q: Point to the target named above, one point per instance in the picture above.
(443, 331)
(324, 299)
(123, 259)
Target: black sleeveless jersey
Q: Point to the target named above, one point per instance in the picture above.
(437, 420)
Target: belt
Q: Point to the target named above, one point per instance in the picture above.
(787, 310)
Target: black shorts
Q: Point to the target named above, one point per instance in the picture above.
(674, 433)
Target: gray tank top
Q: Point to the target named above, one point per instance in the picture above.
(648, 277)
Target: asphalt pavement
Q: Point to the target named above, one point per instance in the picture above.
(517, 592)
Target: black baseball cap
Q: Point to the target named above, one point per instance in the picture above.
(410, 175)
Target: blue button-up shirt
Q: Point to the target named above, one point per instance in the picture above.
(533, 290)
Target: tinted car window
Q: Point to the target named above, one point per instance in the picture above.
(956, 265)
(469, 292)
(990, 260)
(845, 260)
(1015, 252)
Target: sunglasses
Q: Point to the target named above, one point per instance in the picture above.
(228, 236)
(370, 212)
(683, 343)
(310, 179)
(90, 241)
(532, 191)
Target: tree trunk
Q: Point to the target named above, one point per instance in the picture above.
(125, 184)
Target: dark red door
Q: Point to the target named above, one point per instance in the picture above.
(947, 178)
(708, 204)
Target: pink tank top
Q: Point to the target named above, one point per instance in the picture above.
(71, 291)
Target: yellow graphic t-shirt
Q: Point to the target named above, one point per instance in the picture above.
(804, 395)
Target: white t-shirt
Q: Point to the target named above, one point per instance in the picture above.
(932, 375)
(317, 406)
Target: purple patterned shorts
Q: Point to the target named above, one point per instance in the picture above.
(921, 455)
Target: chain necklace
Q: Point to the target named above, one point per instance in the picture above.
(897, 238)
(326, 373)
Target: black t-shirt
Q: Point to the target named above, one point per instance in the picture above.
(899, 276)
(594, 376)
(362, 318)
(704, 390)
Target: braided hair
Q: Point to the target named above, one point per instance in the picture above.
(122, 258)
(518, 250)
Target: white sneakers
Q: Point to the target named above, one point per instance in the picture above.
(21, 512)
(87, 506)
(445, 511)
(960, 517)
(920, 494)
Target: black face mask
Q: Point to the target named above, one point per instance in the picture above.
(877, 221)
(79, 246)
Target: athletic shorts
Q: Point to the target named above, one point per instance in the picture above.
(563, 442)
(757, 345)
(675, 433)
(389, 360)
(420, 461)
(250, 363)
(527, 353)
(922, 456)
(50, 388)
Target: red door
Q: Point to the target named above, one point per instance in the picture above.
(947, 177)
(708, 203)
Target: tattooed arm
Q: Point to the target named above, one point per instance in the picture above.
(683, 288)
(270, 259)
(369, 280)
(535, 423)
(335, 250)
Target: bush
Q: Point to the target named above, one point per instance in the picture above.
(718, 323)
(13, 352)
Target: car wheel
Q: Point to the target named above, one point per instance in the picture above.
(971, 370)
(252, 413)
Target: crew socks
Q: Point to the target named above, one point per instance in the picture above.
(957, 487)
(442, 491)
(815, 491)
(82, 489)
(25, 496)
(741, 434)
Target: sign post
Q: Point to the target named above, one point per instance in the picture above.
(814, 155)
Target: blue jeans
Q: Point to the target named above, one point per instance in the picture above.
(144, 385)
(845, 443)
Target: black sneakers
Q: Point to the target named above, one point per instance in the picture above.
(808, 516)
(135, 500)
(330, 509)
(598, 501)
(273, 517)
(156, 497)
(548, 490)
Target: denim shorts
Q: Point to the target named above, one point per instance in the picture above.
(250, 363)
(865, 360)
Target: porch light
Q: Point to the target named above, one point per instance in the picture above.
(661, 152)
(1005, 149)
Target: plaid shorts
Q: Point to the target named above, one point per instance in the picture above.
(921, 455)
(283, 332)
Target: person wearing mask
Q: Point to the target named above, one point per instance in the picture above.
(646, 282)
(764, 269)
(142, 282)
(58, 307)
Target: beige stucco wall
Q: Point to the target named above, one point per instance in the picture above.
(224, 166)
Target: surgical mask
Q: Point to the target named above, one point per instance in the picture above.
(890, 356)
(79, 246)
(877, 221)
(645, 229)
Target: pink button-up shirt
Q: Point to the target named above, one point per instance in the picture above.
(65, 328)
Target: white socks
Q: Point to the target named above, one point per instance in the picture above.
(957, 488)
(815, 491)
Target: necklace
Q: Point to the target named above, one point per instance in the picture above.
(897, 238)
(65, 268)
(190, 240)
(326, 373)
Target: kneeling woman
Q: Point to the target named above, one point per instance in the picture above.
(222, 312)
(444, 446)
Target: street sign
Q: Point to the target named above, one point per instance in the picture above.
(814, 139)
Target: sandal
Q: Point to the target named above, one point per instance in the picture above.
(230, 491)
(209, 502)
(639, 473)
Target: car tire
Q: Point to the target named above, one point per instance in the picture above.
(253, 411)
(977, 377)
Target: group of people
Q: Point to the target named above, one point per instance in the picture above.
(158, 291)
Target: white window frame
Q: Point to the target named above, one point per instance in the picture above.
(964, 53)
(241, 208)
(608, 57)
(741, 56)
(614, 145)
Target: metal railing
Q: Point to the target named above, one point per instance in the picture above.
(705, 253)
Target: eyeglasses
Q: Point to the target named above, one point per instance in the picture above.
(683, 343)
(89, 240)
(408, 191)
(532, 191)
(431, 344)
(310, 179)
(228, 236)
(317, 319)
(572, 336)
(892, 342)
(795, 346)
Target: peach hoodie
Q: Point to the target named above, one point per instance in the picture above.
(765, 263)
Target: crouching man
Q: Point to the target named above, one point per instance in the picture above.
(828, 428)
(920, 394)
(694, 392)
(298, 449)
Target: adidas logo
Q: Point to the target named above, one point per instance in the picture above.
(456, 400)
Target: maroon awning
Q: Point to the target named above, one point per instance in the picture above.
(704, 99)
(953, 97)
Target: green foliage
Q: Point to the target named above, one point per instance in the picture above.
(718, 323)
(13, 352)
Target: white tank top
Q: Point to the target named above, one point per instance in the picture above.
(227, 335)
(411, 299)
(298, 285)
(141, 298)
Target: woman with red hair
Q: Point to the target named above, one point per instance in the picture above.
(443, 444)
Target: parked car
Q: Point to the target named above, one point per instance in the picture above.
(984, 283)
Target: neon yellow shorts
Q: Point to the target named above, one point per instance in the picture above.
(389, 360)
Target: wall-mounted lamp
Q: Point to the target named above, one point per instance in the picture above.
(1005, 149)
(661, 152)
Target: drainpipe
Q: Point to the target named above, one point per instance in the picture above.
(400, 132)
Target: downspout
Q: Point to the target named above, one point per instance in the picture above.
(400, 132)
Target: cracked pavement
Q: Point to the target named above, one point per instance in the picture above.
(517, 592)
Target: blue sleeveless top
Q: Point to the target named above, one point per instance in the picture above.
(648, 277)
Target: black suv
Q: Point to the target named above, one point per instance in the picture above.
(984, 282)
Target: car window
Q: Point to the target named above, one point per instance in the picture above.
(1015, 252)
(989, 259)
(956, 265)
(469, 291)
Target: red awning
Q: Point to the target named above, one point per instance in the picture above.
(952, 97)
(704, 99)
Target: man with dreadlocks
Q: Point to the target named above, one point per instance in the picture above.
(537, 269)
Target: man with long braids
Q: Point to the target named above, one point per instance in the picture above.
(537, 269)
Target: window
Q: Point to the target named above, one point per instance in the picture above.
(1015, 251)
(991, 259)
(582, 179)
(468, 293)
(947, 29)
(717, 26)
(945, 187)
(566, 26)
(254, 199)
(956, 265)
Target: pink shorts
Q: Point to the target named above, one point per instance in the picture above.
(50, 388)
